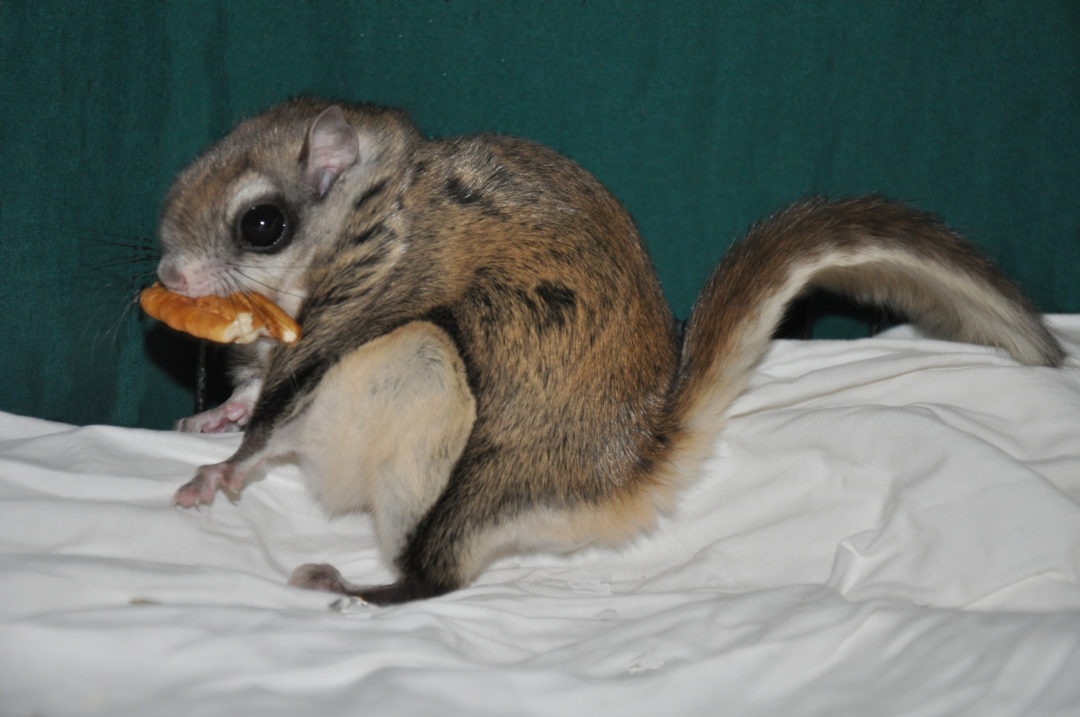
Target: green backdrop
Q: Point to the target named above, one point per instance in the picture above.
(700, 116)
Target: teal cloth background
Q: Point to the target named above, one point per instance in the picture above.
(700, 116)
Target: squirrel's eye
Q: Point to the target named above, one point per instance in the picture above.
(263, 227)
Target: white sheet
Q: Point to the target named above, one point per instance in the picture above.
(891, 526)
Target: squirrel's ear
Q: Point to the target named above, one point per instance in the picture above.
(331, 147)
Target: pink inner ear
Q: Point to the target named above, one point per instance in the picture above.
(332, 148)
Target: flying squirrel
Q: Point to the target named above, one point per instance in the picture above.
(487, 363)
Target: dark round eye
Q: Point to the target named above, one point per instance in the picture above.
(263, 226)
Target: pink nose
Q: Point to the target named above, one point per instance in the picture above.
(171, 277)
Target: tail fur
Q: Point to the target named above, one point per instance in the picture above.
(869, 249)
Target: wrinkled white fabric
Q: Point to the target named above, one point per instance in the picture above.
(890, 527)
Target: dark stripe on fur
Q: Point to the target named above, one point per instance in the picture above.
(557, 304)
(373, 190)
(366, 234)
(459, 193)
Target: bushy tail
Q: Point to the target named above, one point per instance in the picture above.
(869, 249)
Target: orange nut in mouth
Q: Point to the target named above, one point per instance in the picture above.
(238, 318)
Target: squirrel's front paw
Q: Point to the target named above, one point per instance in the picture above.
(200, 489)
(230, 416)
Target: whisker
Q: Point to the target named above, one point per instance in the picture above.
(140, 238)
(139, 249)
(275, 289)
(107, 333)
(103, 236)
(119, 261)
